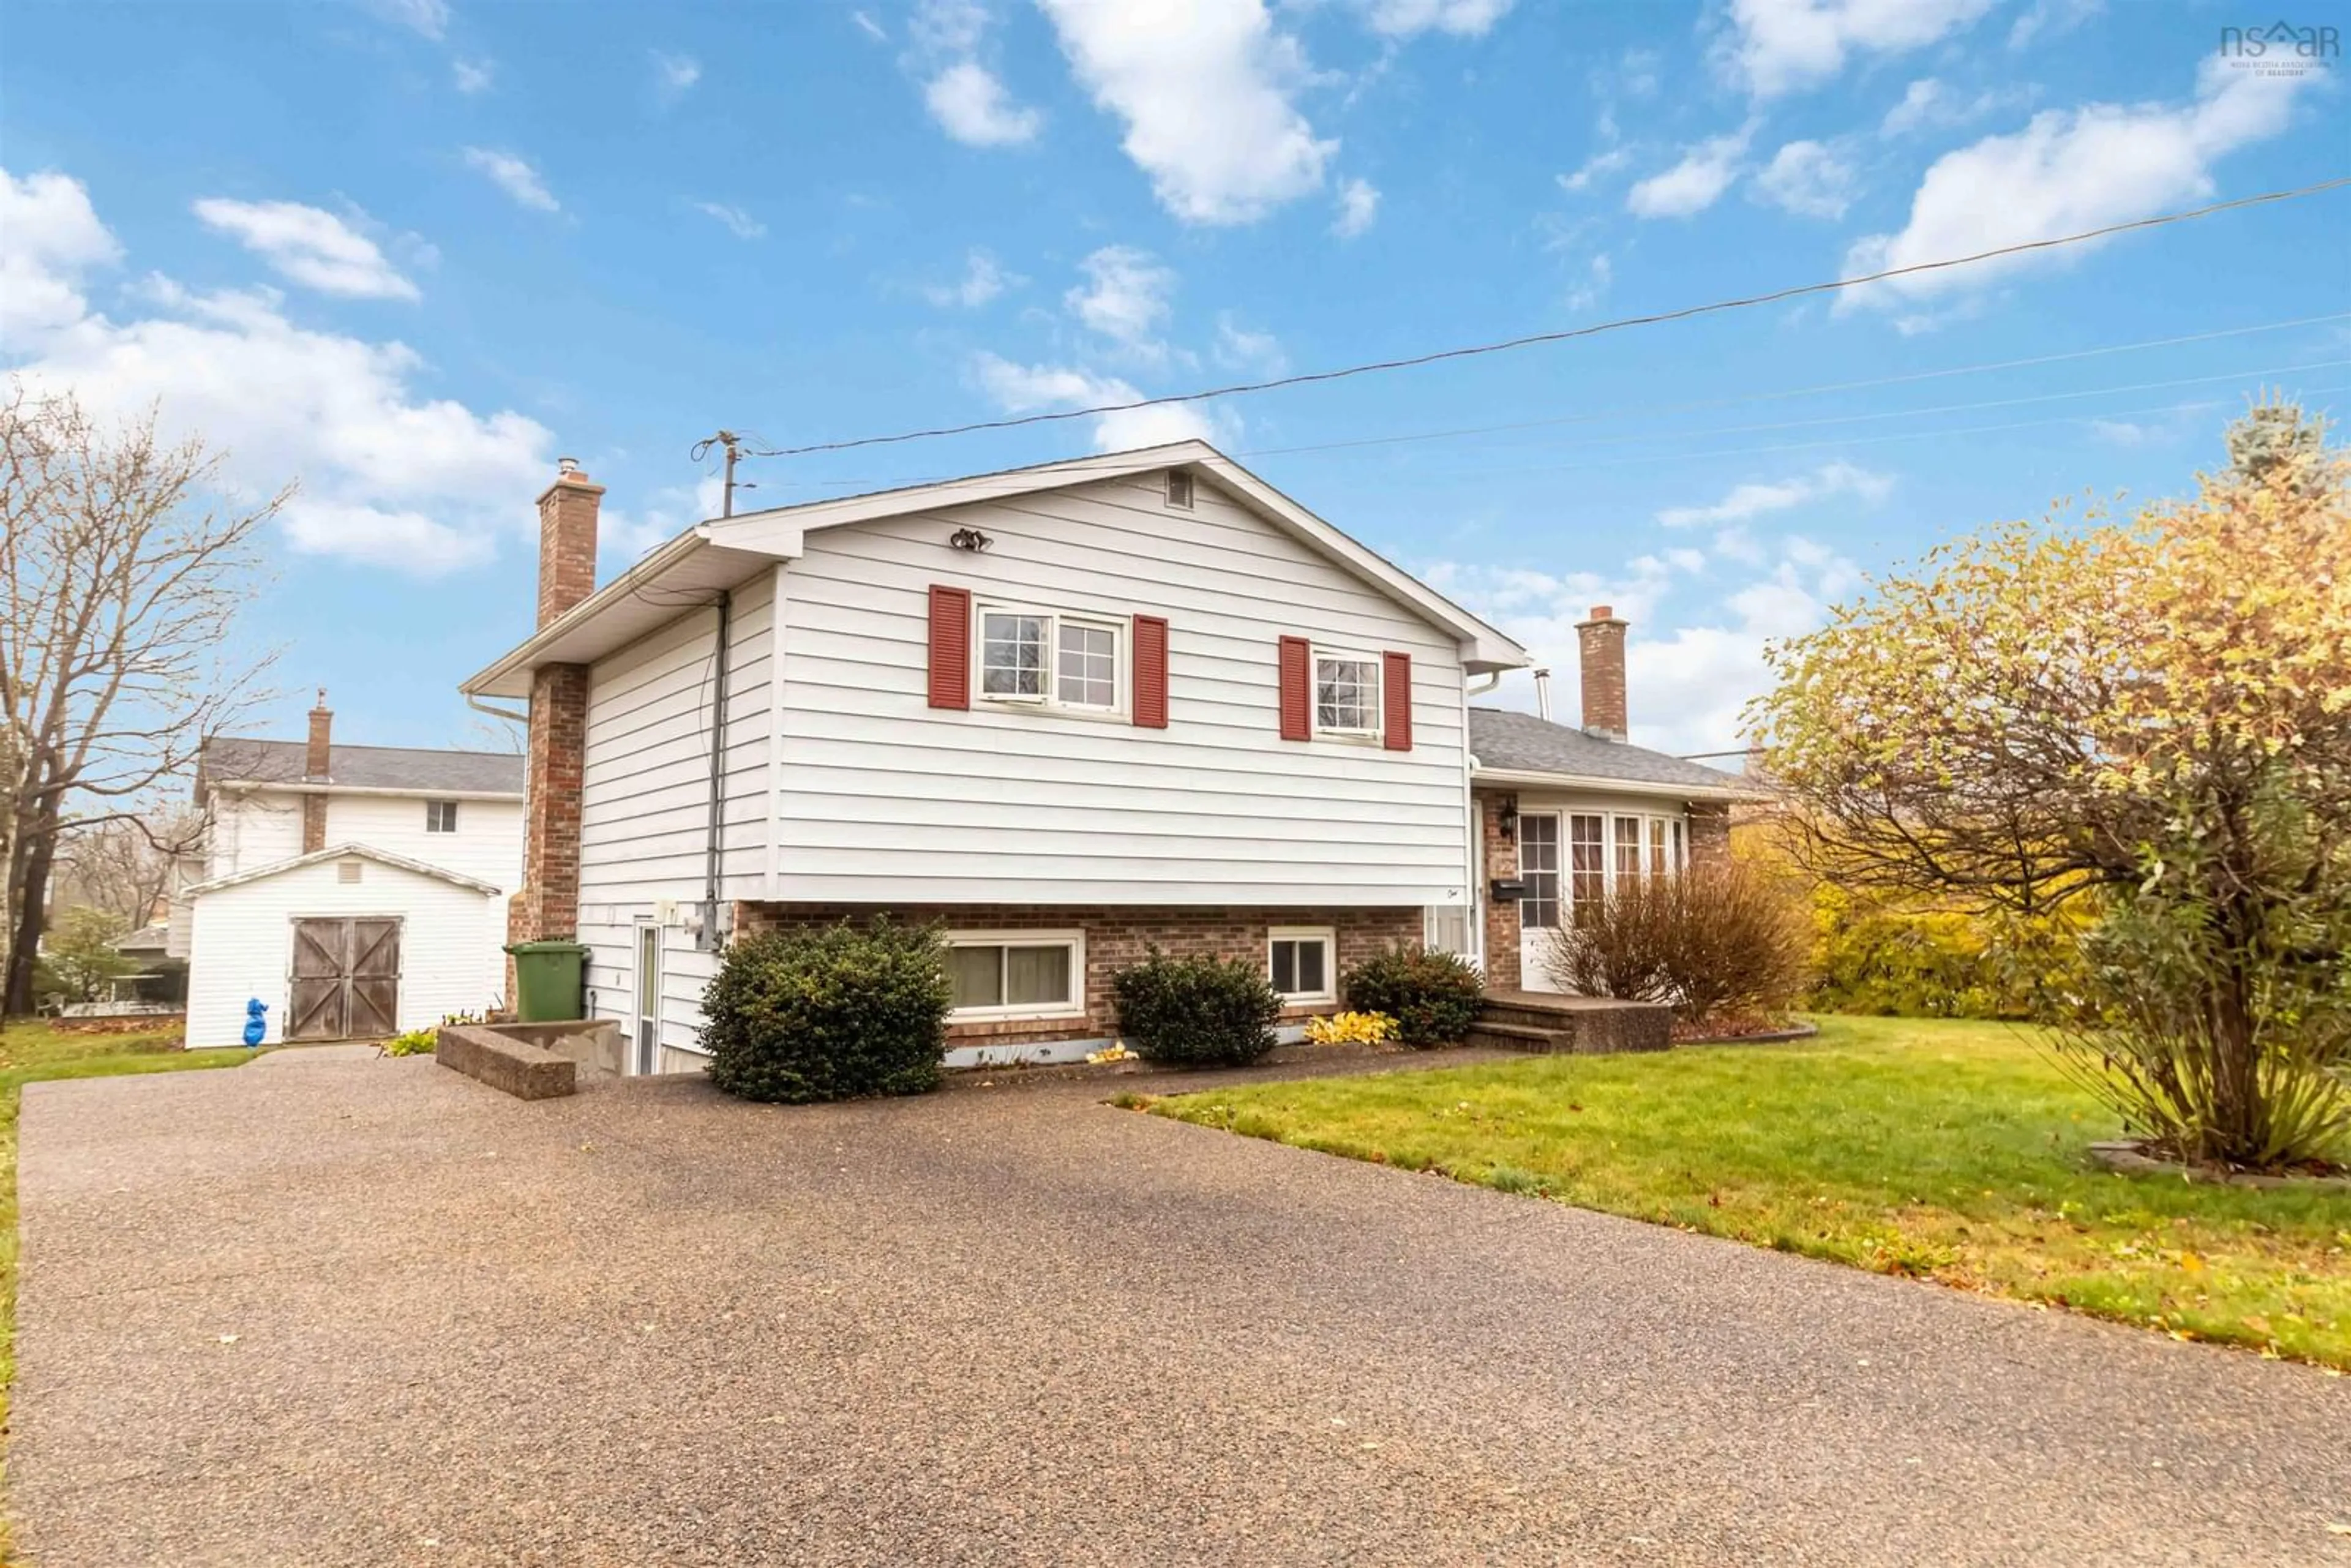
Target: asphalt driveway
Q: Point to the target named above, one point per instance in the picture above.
(325, 1310)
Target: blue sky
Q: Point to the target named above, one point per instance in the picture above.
(412, 250)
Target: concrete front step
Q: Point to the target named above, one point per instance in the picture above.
(1586, 1026)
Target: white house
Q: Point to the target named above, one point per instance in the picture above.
(1066, 711)
(356, 891)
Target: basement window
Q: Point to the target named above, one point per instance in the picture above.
(440, 816)
(1016, 975)
(1299, 960)
(1180, 489)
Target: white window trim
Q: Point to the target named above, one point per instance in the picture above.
(1326, 934)
(1122, 658)
(1075, 941)
(1315, 653)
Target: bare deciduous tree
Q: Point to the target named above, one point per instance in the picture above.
(122, 579)
(124, 866)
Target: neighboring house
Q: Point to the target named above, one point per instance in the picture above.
(1069, 712)
(357, 890)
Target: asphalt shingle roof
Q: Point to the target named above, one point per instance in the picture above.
(1521, 743)
(365, 767)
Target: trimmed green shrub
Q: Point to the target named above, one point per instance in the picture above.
(1197, 1012)
(831, 1012)
(1434, 997)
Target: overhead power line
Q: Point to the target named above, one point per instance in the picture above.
(1534, 339)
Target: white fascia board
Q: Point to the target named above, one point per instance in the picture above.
(1520, 779)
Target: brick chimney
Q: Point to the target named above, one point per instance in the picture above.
(548, 903)
(317, 767)
(1599, 649)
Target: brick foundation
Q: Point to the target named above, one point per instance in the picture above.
(1501, 913)
(1115, 938)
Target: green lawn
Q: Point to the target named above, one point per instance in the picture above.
(1951, 1151)
(31, 1053)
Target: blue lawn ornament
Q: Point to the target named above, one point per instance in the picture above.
(254, 1026)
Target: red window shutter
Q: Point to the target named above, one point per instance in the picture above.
(1297, 689)
(1396, 700)
(1151, 671)
(950, 647)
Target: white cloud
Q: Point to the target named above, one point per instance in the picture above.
(1241, 349)
(1027, 389)
(1589, 291)
(675, 75)
(389, 476)
(1809, 178)
(1745, 502)
(2050, 18)
(622, 534)
(2121, 432)
(1205, 91)
(1408, 19)
(1930, 103)
(49, 237)
(429, 17)
(2066, 172)
(1599, 166)
(472, 76)
(739, 224)
(1685, 683)
(1693, 184)
(310, 246)
(514, 176)
(869, 27)
(1359, 203)
(982, 281)
(973, 107)
(1776, 46)
(1124, 298)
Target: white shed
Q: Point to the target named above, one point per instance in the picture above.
(345, 943)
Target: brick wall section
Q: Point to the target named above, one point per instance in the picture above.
(1600, 653)
(548, 902)
(1501, 914)
(566, 543)
(1115, 938)
(1709, 833)
(317, 767)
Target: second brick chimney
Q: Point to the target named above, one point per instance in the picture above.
(548, 903)
(317, 767)
(1599, 649)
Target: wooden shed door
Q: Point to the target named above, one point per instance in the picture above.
(346, 982)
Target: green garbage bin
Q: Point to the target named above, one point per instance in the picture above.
(547, 976)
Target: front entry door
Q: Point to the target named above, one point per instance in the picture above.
(647, 1053)
(346, 979)
(1538, 868)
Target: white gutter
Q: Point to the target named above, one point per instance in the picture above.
(630, 582)
(1522, 779)
(306, 786)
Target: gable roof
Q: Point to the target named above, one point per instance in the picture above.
(239, 760)
(1529, 749)
(724, 551)
(336, 852)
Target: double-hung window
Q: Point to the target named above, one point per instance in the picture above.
(1300, 960)
(1020, 973)
(1347, 694)
(1057, 660)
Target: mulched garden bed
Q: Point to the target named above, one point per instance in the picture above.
(2128, 1156)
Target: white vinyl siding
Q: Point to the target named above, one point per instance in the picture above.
(254, 828)
(487, 846)
(882, 799)
(241, 943)
(645, 800)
